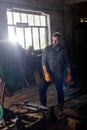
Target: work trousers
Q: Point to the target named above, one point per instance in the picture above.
(43, 89)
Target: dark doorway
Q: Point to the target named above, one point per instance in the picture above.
(81, 56)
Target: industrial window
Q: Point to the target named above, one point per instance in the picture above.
(83, 19)
(28, 29)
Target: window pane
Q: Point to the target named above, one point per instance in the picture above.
(16, 17)
(37, 20)
(30, 19)
(35, 38)
(9, 17)
(42, 38)
(43, 20)
(28, 37)
(23, 18)
(20, 36)
(11, 34)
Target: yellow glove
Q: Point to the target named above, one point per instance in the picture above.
(47, 77)
(69, 78)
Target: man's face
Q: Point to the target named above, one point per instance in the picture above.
(55, 41)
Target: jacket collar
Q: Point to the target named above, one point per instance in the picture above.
(58, 48)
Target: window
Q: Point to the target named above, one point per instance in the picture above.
(29, 29)
(83, 19)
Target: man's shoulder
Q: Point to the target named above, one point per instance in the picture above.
(62, 48)
(64, 51)
(48, 47)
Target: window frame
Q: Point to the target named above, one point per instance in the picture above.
(46, 27)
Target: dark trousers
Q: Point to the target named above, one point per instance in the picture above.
(59, 87)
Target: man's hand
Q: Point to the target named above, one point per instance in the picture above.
(69, 78)
(46, 74)
(47, 77)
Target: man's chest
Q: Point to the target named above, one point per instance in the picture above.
(55, 55)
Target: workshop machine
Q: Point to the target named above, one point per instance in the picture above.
(25, 115)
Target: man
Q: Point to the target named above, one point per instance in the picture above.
(54, 63)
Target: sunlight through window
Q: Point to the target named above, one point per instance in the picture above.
(27, 29)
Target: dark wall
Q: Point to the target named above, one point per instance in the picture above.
(80, 51)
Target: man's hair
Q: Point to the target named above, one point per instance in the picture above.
(57, 34)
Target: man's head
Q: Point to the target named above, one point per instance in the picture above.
(56, 38)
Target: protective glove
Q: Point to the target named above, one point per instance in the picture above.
(47, 77)
(69, 78)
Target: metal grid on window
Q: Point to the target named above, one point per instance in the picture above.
(28, 29)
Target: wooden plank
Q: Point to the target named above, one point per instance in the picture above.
(37, 77)
(74, 124)
(77, 102)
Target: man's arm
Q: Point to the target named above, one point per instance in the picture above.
(44, 65)
(69, 76)
(68, 66)
(69, 70)
(44, 68)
